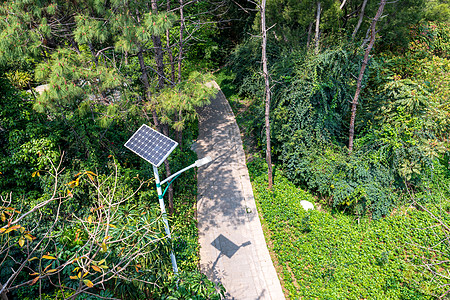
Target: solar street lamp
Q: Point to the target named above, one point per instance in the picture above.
(155, 147)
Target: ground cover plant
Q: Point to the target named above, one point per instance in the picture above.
(332, 255)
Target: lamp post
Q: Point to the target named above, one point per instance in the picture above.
(155, 147)
(162, 206)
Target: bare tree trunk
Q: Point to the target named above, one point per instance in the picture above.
(158, 51)
(266, 92)
(361, 16)
(169, 51)
(3, 294)
(180, 45)
(308, 41)
(317, 27)
(148, 94)
(159, 58)
(180, 60)
(361, 74)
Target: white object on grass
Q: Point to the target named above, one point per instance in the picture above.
(307, 205)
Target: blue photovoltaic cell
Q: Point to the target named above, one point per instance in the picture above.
(151, 145)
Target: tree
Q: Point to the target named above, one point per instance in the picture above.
(361, 74)
(316, 49)
(113, 242)
(264, 30)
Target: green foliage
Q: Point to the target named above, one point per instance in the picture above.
(431, 38)
(332, 255)
(437, 10)
(19, 79)
(31, 141)
(195, 286)
(177, 105)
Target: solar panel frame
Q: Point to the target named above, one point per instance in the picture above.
(151, 145)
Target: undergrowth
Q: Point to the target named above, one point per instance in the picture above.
(325, 255)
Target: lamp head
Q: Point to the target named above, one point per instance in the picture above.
(203, 161)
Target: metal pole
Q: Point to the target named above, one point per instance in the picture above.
(166, 223)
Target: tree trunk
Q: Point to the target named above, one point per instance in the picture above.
(361, 74)
(180, 45)
(169, 51)
(148, 94)
(3, 294)
(361, 16)
(266, 92)
(317, 28)
(308, 41)
(159, 58)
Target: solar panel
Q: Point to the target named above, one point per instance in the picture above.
(151, 145)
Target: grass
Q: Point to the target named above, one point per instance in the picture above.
(322, 255)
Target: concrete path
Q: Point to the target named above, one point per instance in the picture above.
(233, 250)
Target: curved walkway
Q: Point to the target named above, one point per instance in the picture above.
(233, 250)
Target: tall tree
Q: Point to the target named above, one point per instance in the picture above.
(316, 49)
(360, 19)
(361, 74)
(262, 8)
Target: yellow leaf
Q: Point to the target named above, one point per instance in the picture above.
(102, 261)
(79, 275)
(95, 268)
(33, 174)
(12, 228)
(85, 274)
(3, 217)
(21, 242)
(29, 237)
(113, 226)
(91, 173)
(90, 177)
(72, 184)
(73, 277)
(33, 258)
(90, 219)
(48, 257)
(101, 206)
(33, 274)
(47, 267)
(51, 271)
(104, 248)
(76, 269)
(69, 193)
(34, 280)
(88, 283)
